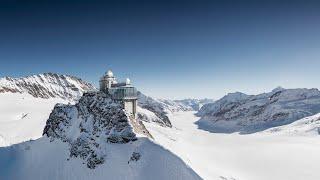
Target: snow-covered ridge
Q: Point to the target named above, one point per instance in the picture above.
(93, 139)
(70, 88)
(306, 126)
(20, 122)
(183, 105)
(47, 85)
(174, 106)
(238, 112)
(158, 110)
(194, 104)
(95, 120)
(153, 110)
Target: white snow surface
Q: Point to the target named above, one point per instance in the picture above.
(23, 117)
(258, 156)
(45, 160)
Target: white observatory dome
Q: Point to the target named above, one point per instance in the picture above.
(128, 81)
(109, 73)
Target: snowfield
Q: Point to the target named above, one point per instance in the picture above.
(45, 160)
(256, 156)
(23, 117)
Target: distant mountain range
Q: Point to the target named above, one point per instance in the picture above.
(238, 112)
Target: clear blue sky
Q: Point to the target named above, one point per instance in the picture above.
(169, 49)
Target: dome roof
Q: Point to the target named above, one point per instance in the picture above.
(128, 81)
(109, 73)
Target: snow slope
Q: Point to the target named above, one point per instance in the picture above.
(218, 156)
(93, 139)
(42, 159)
(308, 126)
(153, 110)
(23, 117)
(238, 112)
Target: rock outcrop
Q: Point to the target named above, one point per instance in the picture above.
(160, 113)
(89, 124)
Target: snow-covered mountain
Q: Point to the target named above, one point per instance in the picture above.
(47, 85)
(93, 139)
(152, 110)
(158, 110)
(26, 102)
(306, 126)
(238, 112)
(70, 88)
(194, 104)
(174, 106)
(184, 104)
(19, 121)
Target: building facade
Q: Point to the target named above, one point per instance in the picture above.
(123, 92)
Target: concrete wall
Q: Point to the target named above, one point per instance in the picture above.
(130, 106)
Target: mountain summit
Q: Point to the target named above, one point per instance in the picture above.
(93, 139)
(47, 85)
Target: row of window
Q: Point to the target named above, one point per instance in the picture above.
(123, 92)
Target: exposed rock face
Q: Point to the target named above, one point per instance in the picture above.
(238, 112)
(148, 116)
(47, 85)
(95, 120)
(155, 107)
(309, 126)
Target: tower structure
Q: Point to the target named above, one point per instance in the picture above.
(123, 92)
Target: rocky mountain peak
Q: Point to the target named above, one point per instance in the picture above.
(47, 85)
(88, 125)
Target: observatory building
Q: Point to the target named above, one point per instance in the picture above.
(123, 92)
